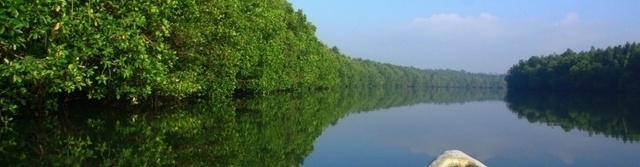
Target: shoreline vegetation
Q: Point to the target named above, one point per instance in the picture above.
(55, 52)
(613, 69)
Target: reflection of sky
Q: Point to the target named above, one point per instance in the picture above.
(488, 131)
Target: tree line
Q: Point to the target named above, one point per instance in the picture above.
(56, 51)
(462, 79)
(614, 69)
(357, 72)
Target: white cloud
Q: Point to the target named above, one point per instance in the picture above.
(483, 24)
(569, 19)
(482, 42)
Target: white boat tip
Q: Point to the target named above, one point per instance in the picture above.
(455, 158)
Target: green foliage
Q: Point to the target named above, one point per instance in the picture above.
(612, 115)
(611, 69)
(57, 52)
(366, 73)
(60, 49)
(462, 79)
(52, 49)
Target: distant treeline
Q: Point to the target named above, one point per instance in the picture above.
(367, 73)
(55, 51)
(615, 69)
(462, 79)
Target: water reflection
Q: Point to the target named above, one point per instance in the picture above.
(275, 130)
(413, 135)
(613, 115)
(113, 136)
(373, 127)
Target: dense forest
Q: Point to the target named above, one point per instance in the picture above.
(614, 69)
(56, 51)
(462, 79)
(366, 73)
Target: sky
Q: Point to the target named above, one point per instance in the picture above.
(484, 36)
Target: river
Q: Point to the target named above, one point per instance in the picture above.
(371, 127)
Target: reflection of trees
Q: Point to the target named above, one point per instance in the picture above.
(122, 137)
(613, 115)
(274, 130)
(383, 98)
(279, 130)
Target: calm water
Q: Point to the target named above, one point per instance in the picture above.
(538, 130)
(373, 127)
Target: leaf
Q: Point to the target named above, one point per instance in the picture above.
(15, 13)
(17, 79)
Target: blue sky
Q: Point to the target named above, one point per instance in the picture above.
(486, 36)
